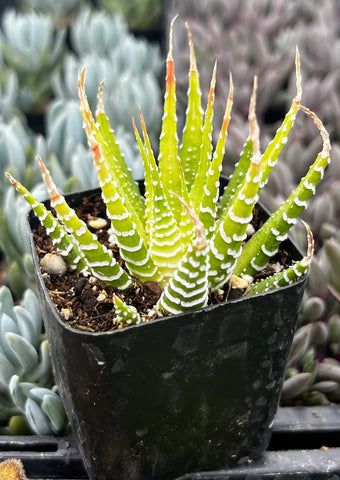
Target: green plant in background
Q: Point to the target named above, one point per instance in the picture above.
(33, 49)
(171, 235)
(28, 400)
(141, 15)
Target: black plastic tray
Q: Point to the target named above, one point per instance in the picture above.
(305, 445)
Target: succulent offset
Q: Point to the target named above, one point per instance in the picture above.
(175, 235)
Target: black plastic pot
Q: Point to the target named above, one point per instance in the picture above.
(191, 392)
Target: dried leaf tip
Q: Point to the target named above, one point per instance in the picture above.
(86, 112)
(193, 65)
(323, 132)
(298, 77)
(100, 102)
(305, 262)
(231, 88)
(81, 82)
(11, 179)
(51, 188)
(254, 131)
(213, 78)
(170, 57)
(212, 85)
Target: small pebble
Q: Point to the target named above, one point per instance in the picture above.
(250, 230)
(101, 297)
(67, 313)
(53, 264)
(97, 222)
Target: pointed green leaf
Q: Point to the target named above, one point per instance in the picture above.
(125, 314)
(192, 132)
(265, 242)
(98, 258)
(209, 197)
(227, 240)
(288, 276)
(58, 234)
(168, 142)
(206, 149)
(188, 288)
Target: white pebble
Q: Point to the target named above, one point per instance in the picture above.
(53, 264)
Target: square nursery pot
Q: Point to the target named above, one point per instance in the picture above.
(181, 394)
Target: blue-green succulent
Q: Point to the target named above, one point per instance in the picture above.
(28, 398)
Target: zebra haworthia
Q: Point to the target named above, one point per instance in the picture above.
(181, 233)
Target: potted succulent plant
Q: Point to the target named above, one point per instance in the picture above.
(170, 327)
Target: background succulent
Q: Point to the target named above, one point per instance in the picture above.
(130, 66)
(32, 48)
(60, 12)
(28, 399)
(97, 40)
(141, 15)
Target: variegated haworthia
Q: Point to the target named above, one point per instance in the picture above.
(183, 233)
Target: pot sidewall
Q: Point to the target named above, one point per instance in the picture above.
(191, 392)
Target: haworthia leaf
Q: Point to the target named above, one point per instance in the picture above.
(271, 153)
(131, 244)
(98, 258)
(192, 132)
(60, 238)
(265, 242)
(115, 158)
(164, 234)
(188, 288)
(242, 166)
(186, 224)
(206, 149)
(209, 197)
(168, 142)
(227, 240)
(125, 314)
(112, 157)
(288, 276)
(273, 150)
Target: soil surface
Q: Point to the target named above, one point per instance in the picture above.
(86, 303)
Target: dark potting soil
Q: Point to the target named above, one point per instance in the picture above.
(86, 303)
